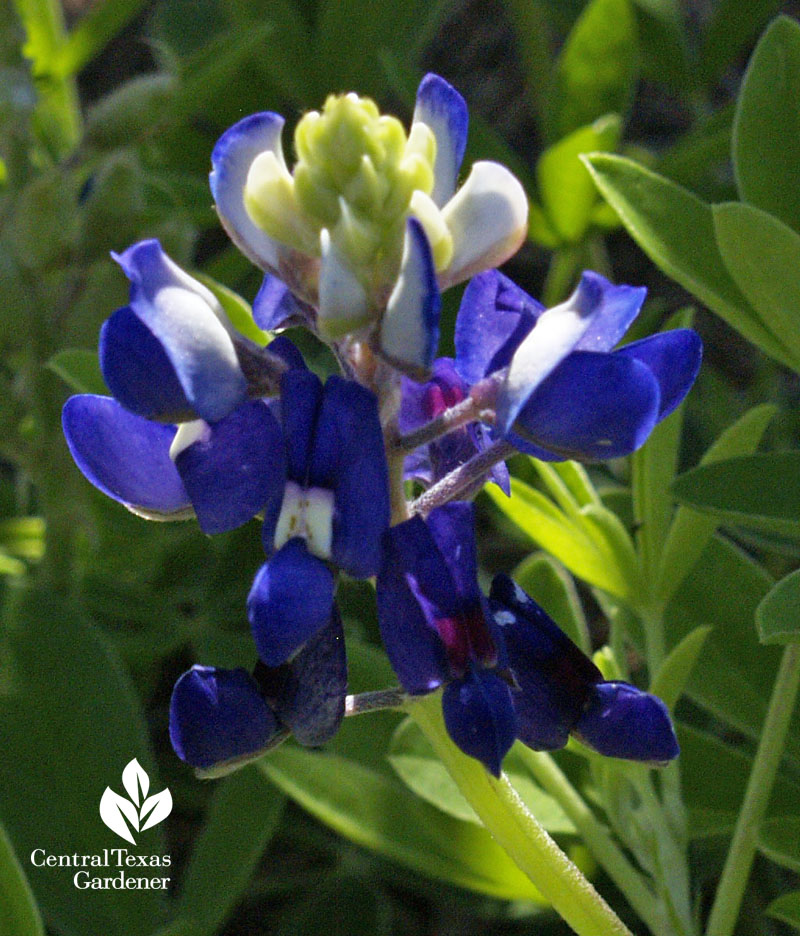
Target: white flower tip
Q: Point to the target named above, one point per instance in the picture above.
(488, 220)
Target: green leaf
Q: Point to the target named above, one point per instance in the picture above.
(676, 230)
(766, 137)
(567, 191)
(714, 807)
(729, 32)
(763, 256)
(786, 908)
(23, 536)
(597, 68)
(131, 111)
(80, 369)
(734, 675)
(776, 617)
(19, 915)
(241, 820)
(662, 43)
(415, 762)
(587, 549)
(760, 492)
(548, 582)
(672, 676)
(779, 840)
(381, 814)
(93, 32)
(70, 716)
(238, 311)
(690, 530)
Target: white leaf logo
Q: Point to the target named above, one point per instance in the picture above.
(115, 809)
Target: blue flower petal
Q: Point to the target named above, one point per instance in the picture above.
(674, 359)
(453, 529)
(288, 351)
(125, 456)
(311, 702)
(276, 307)
(554, 677)
(138, 371)
(622, 721)
(494, 317)
(442, 108)
(616, 308)
(414, 648)
(409, 334)
(188, 322)
(555, 336)
(291, 600)
(479, 717)
(301, 398)
(218, 716)
(236, 470)
(592, 406)
(348, 458)
(421, 402)
(231, 159)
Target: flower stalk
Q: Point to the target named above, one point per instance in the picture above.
(504, 814)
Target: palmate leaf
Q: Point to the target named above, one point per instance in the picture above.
(676, 230)
(760, 492)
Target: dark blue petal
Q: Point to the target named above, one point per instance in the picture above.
(453, 529)
(231, 159)
(216, 716)
(311, 701)
(592, 406)
(479, 717)
(442, 108)
(616, 307)
(288, 351)
(409, 334)
(291, 600)
(348, 458)
(236, 469)
(494, 317)
(421, 402)
(123, 455)
(673, 357)
(553, 675)
(415, 554)
(301, 398)
(417, 467)
(189, 323)
(276, 307)
(622, 721)
(138, 372)
(414, 648)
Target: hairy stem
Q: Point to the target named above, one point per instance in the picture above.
(462, 479)
(507, 818)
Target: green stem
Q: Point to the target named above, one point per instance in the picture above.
(505, 815)
(730, 891)
(596, 837)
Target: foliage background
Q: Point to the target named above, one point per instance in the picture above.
(104, 139)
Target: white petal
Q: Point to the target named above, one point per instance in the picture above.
(488, 220)
(554, 336)
(343, 305)
(410, 325)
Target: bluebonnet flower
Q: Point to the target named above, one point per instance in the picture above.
(172, 357)
(333, 509)
(562, 391)
(221, 719)
(507, 670)
(368, 226)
